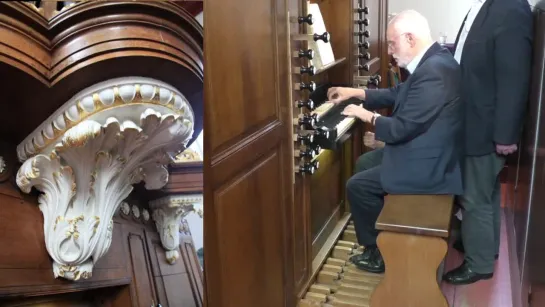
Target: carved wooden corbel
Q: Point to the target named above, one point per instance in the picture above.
(168, 213)
(86, 157)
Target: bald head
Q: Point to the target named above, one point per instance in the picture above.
(408, 34)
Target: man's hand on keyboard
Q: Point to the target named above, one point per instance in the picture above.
(338, 94)
(353, 110)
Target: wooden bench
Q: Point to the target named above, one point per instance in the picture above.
(413, 243)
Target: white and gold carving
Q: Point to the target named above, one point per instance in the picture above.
(3, 165)
(125, 208)
(130, 95)
(168, 213)
(188, 155)
(135, 211)
(145, 215)
(87, 156)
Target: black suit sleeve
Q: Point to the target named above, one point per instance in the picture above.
(380, 98)
(512, 56)
(420, 109)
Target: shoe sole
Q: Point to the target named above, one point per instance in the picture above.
(377, 271)
(485, 277)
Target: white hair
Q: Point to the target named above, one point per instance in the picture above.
(410, 21)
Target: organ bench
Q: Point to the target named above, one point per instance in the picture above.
(412, 243)
(414, 229)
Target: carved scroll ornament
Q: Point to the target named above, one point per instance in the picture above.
(168, 213)
(86, 157)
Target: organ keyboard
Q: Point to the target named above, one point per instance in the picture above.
(338, 282)
(328, 117)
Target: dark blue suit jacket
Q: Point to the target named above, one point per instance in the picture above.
(424, 134)
(496, 67)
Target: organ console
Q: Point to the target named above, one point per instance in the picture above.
(280, 154)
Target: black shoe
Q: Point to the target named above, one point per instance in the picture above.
(367, 253)
(459, 246)
(463, 275)
(374, 263)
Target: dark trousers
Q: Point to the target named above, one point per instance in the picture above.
(366, 198)
(481, 211)
(368, 160)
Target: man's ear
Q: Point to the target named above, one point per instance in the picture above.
(410, 39)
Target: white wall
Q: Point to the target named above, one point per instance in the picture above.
(200, 18)
(443, 15)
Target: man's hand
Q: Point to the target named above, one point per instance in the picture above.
(353, 110)
(506, 149)
(338, 94)
(370, 141)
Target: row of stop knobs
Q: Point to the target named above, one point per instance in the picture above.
(306, 149)
(363, 34)
(311, 85)
(308, 54)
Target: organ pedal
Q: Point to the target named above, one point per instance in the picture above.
(339, 283)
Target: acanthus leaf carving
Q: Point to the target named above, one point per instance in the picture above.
(85, 178)
(168, 213)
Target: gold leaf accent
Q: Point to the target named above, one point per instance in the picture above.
(99, 106)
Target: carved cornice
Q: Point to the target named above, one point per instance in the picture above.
(168, 212)
(52, 49)
(87, 173)
(101, 101)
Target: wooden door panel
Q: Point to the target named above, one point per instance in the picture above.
(248, 164)
(246, 53)
(142, 285)
(251, 249)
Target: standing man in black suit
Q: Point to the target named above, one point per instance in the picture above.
(421, 153)
(494, 49)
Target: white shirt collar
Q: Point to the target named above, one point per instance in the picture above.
(412, 65)
(473, 11)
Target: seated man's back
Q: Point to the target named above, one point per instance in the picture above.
(423, 135)
(423, 149)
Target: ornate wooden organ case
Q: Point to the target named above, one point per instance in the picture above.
(98, 98)
(275, 184)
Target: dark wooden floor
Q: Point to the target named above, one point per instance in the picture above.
(495, 292)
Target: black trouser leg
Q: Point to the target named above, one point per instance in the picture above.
(369, 160)
(366, 198)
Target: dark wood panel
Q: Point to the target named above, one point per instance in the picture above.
(185, 177)
(142, 287)
(239, 118)
(325, 191)
(251, 249)
(248, 166)
(194, 270)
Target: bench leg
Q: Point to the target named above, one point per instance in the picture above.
(410, 279)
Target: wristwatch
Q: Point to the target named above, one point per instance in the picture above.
(374, 118)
